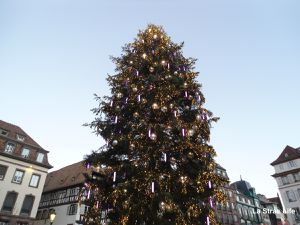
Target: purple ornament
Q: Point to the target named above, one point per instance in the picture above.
(115, 176)
(211, 202)
(183, 132)
(207, 220)
(209, 184)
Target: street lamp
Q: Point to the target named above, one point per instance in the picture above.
(52, 216)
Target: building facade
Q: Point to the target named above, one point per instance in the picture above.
(61, 195)
(226, 213)
(273, 210)
(287, 176)
(248, 204)
(23, 170)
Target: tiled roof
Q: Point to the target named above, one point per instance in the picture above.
(14, 130)
(288, 154)
(12, 133)
(70, 175)
(220, 167)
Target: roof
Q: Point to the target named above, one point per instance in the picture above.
(15, 134)
(285, 173)
(68, 176)
(276, 200)
(14, 130)
(220, 167)
(263, 199)
(243, 187)
(288, 154)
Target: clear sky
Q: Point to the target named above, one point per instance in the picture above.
(54, 55)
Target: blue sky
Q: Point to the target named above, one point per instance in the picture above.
(54, 55)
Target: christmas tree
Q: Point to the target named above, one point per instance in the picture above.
(157, 166)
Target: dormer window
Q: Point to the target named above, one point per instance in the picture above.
(3, 132)
(286, 155)
(292, 163)
(20, 137)
(25, 153)
(40, 157)
(10, 147)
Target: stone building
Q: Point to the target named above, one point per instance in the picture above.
(272, 209)
(23, 170)
(227, 213)
(248, 205)
(287, 176)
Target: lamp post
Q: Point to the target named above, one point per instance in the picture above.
(52, 216)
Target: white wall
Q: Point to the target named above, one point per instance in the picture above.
(23, 188)
(283, 167)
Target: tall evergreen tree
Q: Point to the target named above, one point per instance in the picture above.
(157, 166)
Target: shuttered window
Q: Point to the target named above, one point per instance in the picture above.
(9, 202)
(27, 205)
(3, 170)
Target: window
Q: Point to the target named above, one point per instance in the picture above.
(20, 137)
(3, 222)
(22, 223)
(230, 194)
(240, 210)
(9, 202)
(10, 147)
(45, 214)
(230, 217)
(291, 196)
(250, 213)
(40, 157)
(18, 177)
(281, 167)
(4, 133)
(292, 163)
(39, 215)
(34, 181)
(235, 219)
(285, 180)
(25, 152)
(245, 212)
(27, 205)
(3, 170)
(232, 206)
(297, 215)
(296, 177)
(72, 209)
(227, 205)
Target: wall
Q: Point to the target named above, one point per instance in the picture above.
(23, 188)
